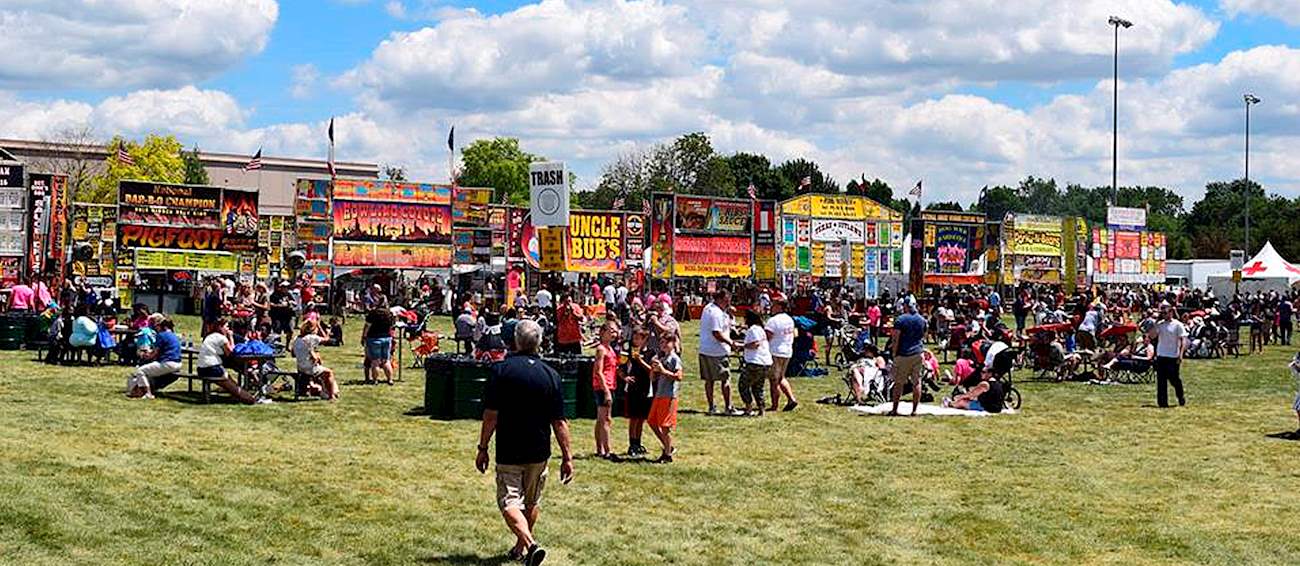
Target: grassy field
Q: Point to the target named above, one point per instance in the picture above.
(1086, 474)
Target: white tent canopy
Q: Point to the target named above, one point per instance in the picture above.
(1267, 270)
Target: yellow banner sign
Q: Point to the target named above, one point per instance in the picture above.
(190, 261)
(550, 241)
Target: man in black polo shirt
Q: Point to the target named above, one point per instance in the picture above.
(523, 403)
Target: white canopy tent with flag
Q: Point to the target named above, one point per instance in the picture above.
(1266, 271)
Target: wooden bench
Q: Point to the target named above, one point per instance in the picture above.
(299, 380)
(205, 383)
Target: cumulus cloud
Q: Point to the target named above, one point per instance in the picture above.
(554, 47)
(127, 43)
(1285, 10)
(304, 79)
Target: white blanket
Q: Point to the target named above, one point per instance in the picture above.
(905, 408)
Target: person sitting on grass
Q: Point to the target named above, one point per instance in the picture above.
(161, 372)
(307, 357)
(666, 370)
(866, 374)
(986, 395)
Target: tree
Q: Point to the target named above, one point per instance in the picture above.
(157, 159)
(192, 165)
(757, 169)
(78, 147)
(949, 206)
(500, 164)
(392, 172)
(794, 171)
(996, 202)
(716, 179)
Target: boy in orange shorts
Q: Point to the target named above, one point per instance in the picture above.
(667, 373)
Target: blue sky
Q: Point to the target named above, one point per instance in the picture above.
(963, 93)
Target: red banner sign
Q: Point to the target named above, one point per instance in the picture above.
(170, 237)
(365, 254)
(703, 256)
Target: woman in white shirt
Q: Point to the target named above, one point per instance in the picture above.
(210, 362)
(758, 363)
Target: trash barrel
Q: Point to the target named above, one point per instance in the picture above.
(438, 385)
(13, 331)
(37, 331)
(570, 383)
(470, 378)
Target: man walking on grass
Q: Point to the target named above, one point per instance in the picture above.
(909, 331)
(715, 349)
(1171, 337)
(523, 404)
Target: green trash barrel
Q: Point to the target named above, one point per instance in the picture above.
(470, 378)
(575, 381)
(13, 331)
(438, 400)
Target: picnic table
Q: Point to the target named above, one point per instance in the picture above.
(1119, 330)
(1060, 327)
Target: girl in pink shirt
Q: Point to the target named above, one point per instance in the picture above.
(604, 378)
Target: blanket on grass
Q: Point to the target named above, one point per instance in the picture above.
(905, 408)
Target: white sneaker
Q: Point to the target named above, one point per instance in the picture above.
(264, 401)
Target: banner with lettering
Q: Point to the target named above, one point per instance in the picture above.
(391, 222)
(595, 242)
(131, 236)
(634, 239)
(730, 216)
(717, 256)
(162, 204)
(400, 191)
(661, 235)
(391, 256)
(693, 213)
(469, 207)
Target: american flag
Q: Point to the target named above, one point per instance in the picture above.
(645, 206)
(123, 157)
(333, 172)
(916, 191)
(619, 202)
(805, 182)
(753, 193)
(255, 162)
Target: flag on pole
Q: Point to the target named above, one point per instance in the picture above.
(451, 155)
(753, 192)
(451, 140)
(805, 182)
(333, 172)
(645, 206)
(255, 162)
(916, 191)
(122, 156)
(619, 202)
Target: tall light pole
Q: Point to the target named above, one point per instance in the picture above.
(1250, 100)
(1117, 22)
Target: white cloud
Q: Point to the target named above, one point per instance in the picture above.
(554, 47)
(1285, 10)
(127, 43)
(304, 79)
(395, 9)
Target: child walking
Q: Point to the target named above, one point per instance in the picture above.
(758, 364)
(604, 378)
(667, 371)
(638, 395)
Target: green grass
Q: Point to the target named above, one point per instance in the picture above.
(1085, 474)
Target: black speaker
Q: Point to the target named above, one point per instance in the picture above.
(83, 252)
(296, 260)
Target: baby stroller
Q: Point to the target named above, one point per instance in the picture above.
(851, 350)
(804, 361)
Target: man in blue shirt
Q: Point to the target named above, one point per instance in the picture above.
(909, 331)
(161, 372)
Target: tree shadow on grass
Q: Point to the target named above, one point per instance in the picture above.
(1292, 435)
(196, 398)
(467, 560)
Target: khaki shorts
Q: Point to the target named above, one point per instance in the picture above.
(779, 366)
(520, 486)
(715, 368)
(907, 368)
